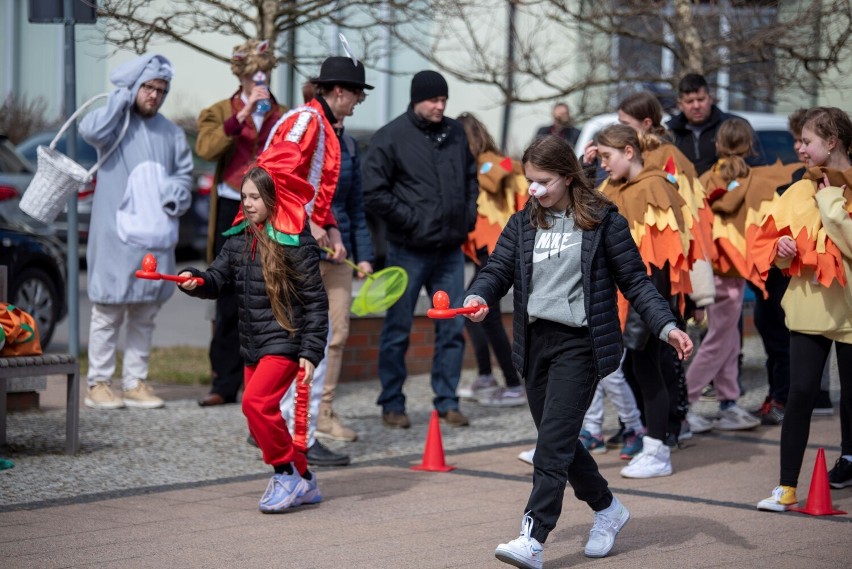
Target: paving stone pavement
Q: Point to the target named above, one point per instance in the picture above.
(178, 487)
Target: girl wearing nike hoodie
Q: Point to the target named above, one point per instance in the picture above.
(565, 253)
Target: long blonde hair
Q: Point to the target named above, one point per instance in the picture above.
(620, 136)
(279, 276)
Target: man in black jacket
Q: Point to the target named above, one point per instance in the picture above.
(695, 128)
(420, 177)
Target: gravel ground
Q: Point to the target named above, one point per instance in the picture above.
(185, 444)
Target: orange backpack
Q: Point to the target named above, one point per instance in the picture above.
(18, 332)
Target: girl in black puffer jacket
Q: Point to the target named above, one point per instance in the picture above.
(564, 254)
(273, 263)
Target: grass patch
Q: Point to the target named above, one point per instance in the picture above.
(176, 365)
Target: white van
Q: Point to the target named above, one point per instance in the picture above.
(771, 129)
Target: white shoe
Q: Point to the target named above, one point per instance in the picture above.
(607, 524)
(735, 419)
(527, 455)
(524, 551)
(653, 461)
(142, 397)
(697, 423)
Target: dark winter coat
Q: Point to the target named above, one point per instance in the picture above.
(609, 257)
(348, 204)
(238, 265)
(702, 151)
(421, 178)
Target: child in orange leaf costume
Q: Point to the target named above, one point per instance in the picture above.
(808, 234)
(661, 223)
(502, 192)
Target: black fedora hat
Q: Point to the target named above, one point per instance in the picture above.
(342, 71)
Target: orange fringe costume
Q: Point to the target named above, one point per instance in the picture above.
(739, 207)
(795, 214)
(660, 222)
(670, 159)
(502, 192)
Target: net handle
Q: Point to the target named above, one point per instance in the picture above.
(330, 251)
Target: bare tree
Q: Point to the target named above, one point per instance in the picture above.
(133, 24)
(596, 49)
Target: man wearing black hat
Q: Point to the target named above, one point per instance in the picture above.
(314, 127)
(420, 176)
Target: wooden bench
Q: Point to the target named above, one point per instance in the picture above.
(36, 366)
(47, 364)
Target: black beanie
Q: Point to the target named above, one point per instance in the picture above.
(428, 85)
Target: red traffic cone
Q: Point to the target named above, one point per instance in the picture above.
(819, 495)
(433, 453)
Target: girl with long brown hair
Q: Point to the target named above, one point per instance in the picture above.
(272, 262)
(564, 255)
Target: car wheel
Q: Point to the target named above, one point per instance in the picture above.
(36, 293)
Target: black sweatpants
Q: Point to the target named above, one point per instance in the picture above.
(560, 384)
(809, 354)
(225, 360)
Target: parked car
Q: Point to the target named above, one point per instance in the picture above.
(35, 261)
(15, 171)
(771, 129)
(192, 235)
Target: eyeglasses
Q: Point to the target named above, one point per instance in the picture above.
(358, 92)
(153, 89)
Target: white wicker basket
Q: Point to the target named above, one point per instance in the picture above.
(57, 177)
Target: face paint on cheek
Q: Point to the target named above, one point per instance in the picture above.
(537, 190)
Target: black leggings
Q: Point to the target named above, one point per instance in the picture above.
(653, 371)
(808, 356)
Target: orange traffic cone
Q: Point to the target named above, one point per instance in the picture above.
(819, 495)
(433, 453)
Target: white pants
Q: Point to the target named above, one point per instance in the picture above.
(616, 388)
(103, 337)
(288, 401)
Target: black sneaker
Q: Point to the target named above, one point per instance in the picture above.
(673, 443)
(320, 455)
(841, 475)
(771, 413)
(616, 440)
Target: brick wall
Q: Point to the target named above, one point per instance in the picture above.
(361, 356)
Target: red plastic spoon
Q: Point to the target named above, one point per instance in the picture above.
(441, 302)
(149, 271)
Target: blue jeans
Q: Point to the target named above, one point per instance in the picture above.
(442, 270)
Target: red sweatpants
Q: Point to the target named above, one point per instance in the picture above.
(265, 385)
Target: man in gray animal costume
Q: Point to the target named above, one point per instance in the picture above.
(143, 188)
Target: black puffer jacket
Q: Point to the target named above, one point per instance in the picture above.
(420, 177)
(238, 265)
(609, 257)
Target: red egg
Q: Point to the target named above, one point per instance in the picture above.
(441, 300)
(149, 263)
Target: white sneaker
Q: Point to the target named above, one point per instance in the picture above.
(735, 419)
(697, 423)
(527, 455)
(607, 524)
(524, 551)
(483, 386)
(654, 460)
